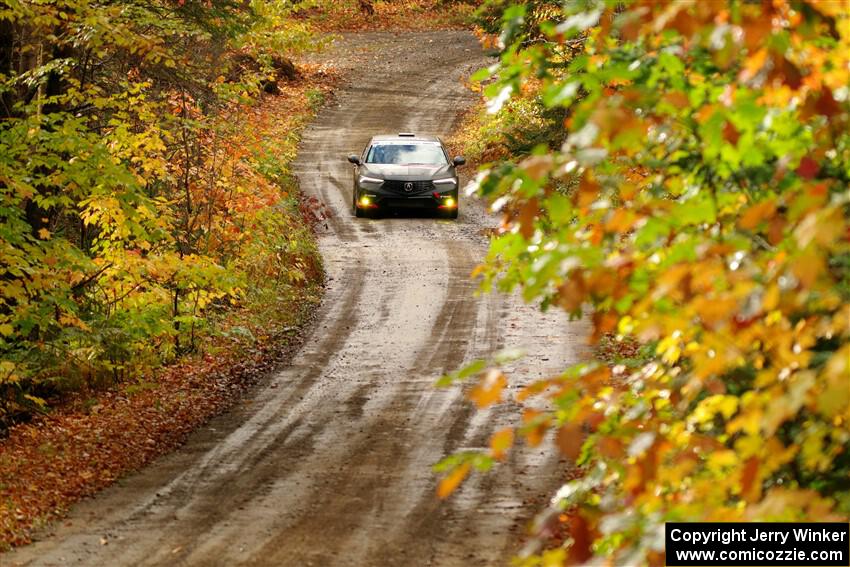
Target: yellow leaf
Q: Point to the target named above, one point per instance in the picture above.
(670, 349)
(718, 461)
(452, 480)
(777, 455)
(835, 398)
(71, 320)
(807, 267)
(43, 233)
(771, 298)
(713, 405)
(40, 402)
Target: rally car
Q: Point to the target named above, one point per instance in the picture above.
(405, 171)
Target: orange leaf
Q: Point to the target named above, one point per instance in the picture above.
(532, 389)
(570, 439)
(609, 447)
(572, 294)
(620, 221)
(448, 484)
(534, 434)
(730, 133)
(676, 98)
(757, 31)
(716, 311)
(595, 379)
(500, 442)
(684, 23)
(489, 389)
(757, 213)
(630, 28)
(526, 218)
(705, 113)
(775, 231)
(588, 188)
(604, 322)
(750, 487)
(753, 65)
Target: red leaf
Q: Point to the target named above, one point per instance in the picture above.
(808, 168)
(730, 133)
(826, 104)
(579, 551)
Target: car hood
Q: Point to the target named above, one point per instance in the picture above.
(406, 172)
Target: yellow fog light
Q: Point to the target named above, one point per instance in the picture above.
(450, 202)
(365, 201)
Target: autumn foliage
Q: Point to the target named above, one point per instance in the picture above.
(140, 195)
(693, 202)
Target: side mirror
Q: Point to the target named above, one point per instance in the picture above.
(459, 160)
(354, 159)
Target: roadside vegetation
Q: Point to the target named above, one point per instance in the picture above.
(149, 219)
(679, 173)
(136, 208)
(395, 15)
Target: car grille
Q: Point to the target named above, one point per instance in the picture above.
(410, 203)
(418, 186)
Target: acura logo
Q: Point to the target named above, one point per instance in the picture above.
(408, 186)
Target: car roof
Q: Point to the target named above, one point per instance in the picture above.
(402, 136)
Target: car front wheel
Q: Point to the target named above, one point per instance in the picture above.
(358, 212)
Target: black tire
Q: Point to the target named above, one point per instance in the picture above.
(358, 212)
(450, 214)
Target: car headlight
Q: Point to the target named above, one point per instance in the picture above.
(448, 182)
(367, 179)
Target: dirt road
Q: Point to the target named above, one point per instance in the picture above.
(328, 462)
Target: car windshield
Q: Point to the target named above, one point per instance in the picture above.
(406, 153)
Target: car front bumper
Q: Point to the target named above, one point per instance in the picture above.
(376, 198)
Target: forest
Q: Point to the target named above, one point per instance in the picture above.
(133, 210)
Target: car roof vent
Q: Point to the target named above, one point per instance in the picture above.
(406, 135)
